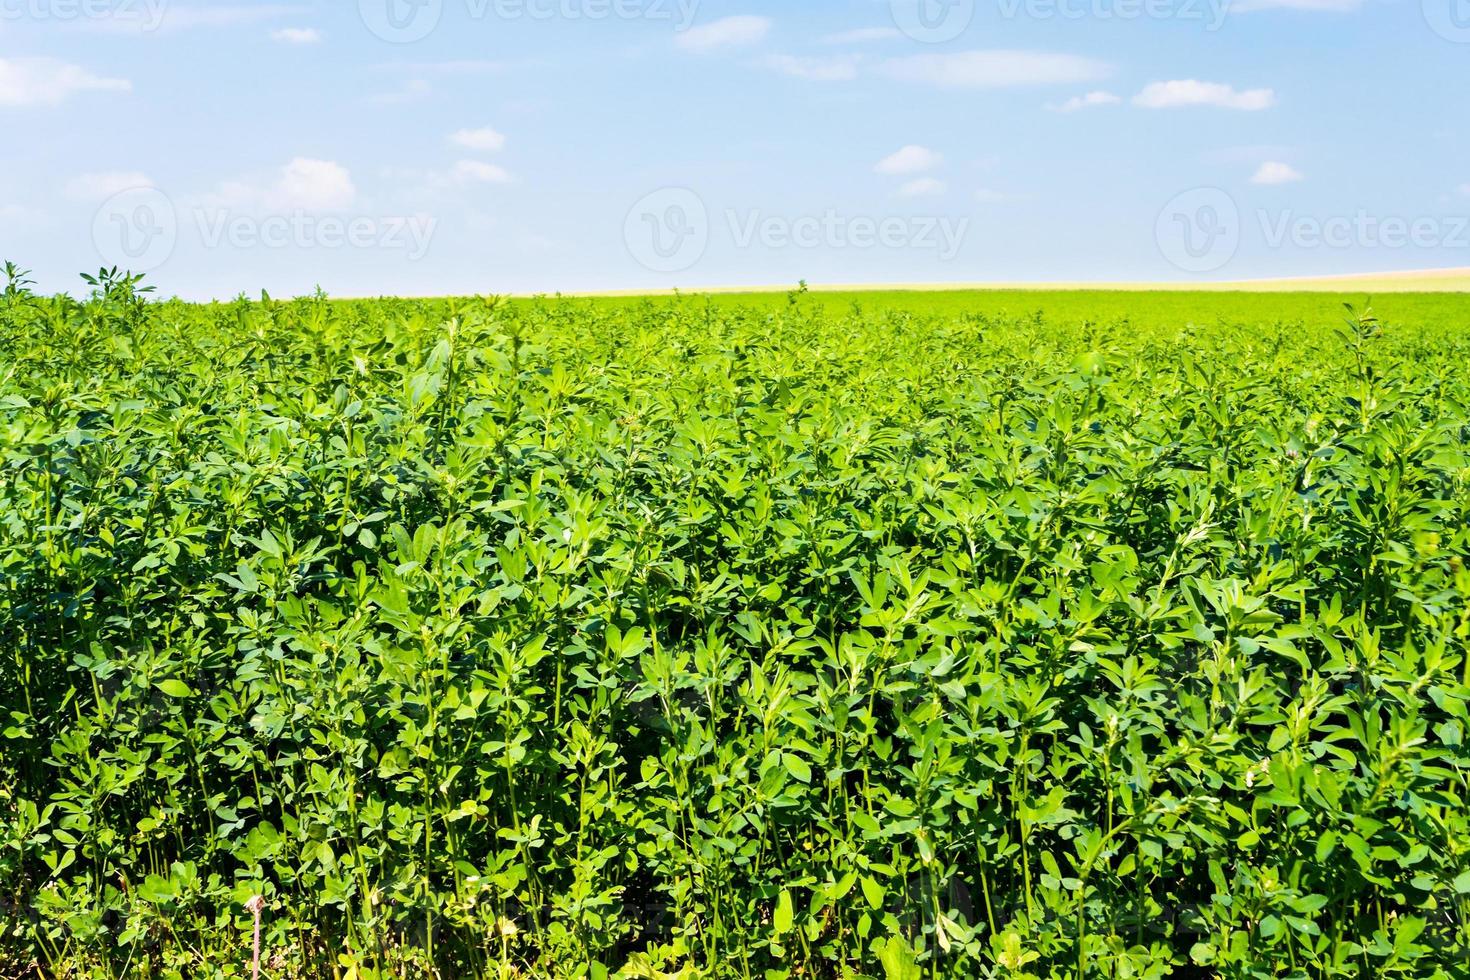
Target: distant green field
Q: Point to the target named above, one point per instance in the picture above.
(815, 635)
(1161, 308)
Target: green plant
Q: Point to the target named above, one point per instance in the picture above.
(17, 281)
(807, 635)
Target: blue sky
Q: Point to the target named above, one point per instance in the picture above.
(544, 145)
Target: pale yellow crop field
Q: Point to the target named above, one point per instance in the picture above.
(1416, 281)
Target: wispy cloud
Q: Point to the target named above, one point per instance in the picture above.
(479, 172)
(1190, 92)
(304, 184)
(29, 82)
(297, 35)
(484, 140)
(923, 187)
(909, 160)
(1274, 172)
(995, 69)
(411, 91)
(862, 35)
(729, 32)
(842, 68)
(463, 175)
(1091, 100)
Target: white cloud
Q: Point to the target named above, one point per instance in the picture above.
(418, 184)
(315, 185)
(839, 69)
(297, 35)
(923, 187)
(1190, 92)
(863, 35)
(909, 160)
(303, 184)
(1274, 172)
(987, 196)
(101, 186)
(1089, 101)
(485, 140)
(26, 82)
(477, 172)
(995, 69)
(725, 33)
(1464, 190)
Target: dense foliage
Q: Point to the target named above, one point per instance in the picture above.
(815, 637)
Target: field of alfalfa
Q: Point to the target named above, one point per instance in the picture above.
(887, 635)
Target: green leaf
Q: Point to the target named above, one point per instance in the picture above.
(784, 915)
(873, 892)
(175, 688)
(899, 962)
(797, 767)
